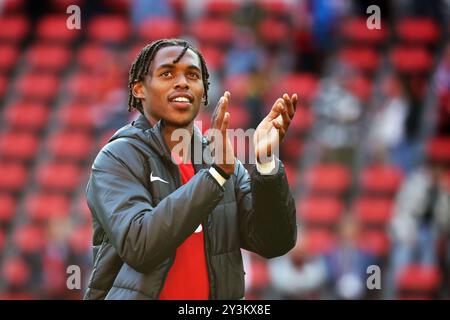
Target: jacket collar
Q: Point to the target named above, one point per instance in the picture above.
(156, 139)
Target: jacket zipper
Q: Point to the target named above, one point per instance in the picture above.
(172, 259)
(211, 273)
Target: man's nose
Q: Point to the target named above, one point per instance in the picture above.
(181, 82)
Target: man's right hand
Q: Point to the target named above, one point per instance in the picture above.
(224, 154)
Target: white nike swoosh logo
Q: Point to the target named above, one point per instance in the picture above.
(152, 178)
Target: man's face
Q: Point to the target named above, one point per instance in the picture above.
(172, 91)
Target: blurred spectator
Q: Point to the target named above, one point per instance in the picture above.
(348, 264)
(109, 108)
(420, 218)
(143, 9)
(55, 258)
(300, 274)
(387, 131)
(338, 116)
(325, 17)
(442, 83)
(245, 56)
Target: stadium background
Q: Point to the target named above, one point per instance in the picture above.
(367, 154)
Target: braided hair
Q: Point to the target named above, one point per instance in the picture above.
(139, 68)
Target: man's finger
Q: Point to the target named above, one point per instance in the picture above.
(215, 112)
(277, 108)
(294, 100)
(225, 122)
(222, 108)
(288, 104)
(286, 119)
(280, 128)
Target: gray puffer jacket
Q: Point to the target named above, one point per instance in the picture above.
(138, 224)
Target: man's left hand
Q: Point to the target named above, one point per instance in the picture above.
(270, 132)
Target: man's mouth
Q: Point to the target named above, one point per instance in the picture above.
(181, 100)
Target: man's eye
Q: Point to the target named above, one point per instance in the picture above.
(166, 74)
(194, 75)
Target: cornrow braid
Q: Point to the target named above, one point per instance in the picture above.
(140, 67)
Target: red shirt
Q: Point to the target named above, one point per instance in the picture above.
(188, 277)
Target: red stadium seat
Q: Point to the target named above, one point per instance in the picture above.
(109, 29)
(273, 31)
(213, 31)
(91, 55)
(385, 179)
(37, 86)
(13, 28)
(16, 272)
(328, 178)
(29, 238)
(373, 211)
(318, 211)
(374, 242)
(84, 86)
(42, 206)
(418, 30)
(71, 146)
(159, 28)
(53, 28)
(438, 149)
(27, 116)
(8, 57)
(58, 176)
(365, 59)
(411, 60)
(77, 116)
(18, 145)
(419, 278)
(319, 241)
(355, 30)
(48, 57)
(7, 208)
(304, 84)
(13, 177)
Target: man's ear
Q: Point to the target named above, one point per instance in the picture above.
(138, 90)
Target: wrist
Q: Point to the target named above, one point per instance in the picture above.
(223, 172)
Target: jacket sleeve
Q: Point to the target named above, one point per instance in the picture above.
(142, 235)
(267, 215)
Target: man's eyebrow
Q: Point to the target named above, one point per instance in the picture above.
(192, 66)
(166, 66)
(171, 66)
